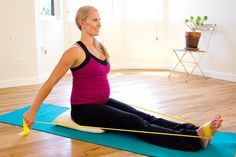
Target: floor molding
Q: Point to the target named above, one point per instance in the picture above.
(43, 78)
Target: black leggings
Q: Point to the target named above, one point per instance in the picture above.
(115, 114)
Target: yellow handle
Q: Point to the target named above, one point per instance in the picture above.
(207, 130)
(26, 129)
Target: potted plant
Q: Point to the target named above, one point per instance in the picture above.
(192, 38)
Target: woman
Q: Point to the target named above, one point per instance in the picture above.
(90, 103)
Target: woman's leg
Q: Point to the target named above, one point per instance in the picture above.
(151, 119)
(108, 116)
(215, 123)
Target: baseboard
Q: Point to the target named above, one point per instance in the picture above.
(43, 78)
(208, 73)
(221, 76)
(23, 81)
(213, 74)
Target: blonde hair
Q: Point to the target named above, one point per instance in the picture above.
(82, 14)
(101, 48)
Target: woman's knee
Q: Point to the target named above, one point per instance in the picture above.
(136, 122)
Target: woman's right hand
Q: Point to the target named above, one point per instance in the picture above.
(29, 117)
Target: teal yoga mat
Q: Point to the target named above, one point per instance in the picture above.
(223, 144)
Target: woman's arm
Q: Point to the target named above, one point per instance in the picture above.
(66, 62)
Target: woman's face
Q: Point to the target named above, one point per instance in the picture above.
(92, 24)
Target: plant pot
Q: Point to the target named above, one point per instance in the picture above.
(192, 39)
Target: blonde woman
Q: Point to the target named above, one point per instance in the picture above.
(90, 102)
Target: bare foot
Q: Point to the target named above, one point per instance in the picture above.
(214, 126)
(219, 120)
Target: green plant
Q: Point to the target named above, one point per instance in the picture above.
(194, 23)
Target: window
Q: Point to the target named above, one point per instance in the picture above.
(47, 8)
(133, 10)
(144, 10)
(105, 8)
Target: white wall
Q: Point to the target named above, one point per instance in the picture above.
(145, 43)
(25, 36)
(17, 42)
(50, 40)
(140, 50)
(131, 44)
(219, 63)
(50, 47)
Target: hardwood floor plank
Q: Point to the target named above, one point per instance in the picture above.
(198, 101)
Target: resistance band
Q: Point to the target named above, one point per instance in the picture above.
(123, 130)
(166, 115)
(206, 127)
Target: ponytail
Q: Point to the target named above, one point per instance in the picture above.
(98, 45)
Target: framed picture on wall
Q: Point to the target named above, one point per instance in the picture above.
(47, 8)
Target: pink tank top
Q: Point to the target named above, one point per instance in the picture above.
(90, 83)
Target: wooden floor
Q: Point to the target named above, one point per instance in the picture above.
(197, 100)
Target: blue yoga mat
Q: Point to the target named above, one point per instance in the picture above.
(223, 144)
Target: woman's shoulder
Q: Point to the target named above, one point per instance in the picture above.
(74, 53)
(75, 49)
